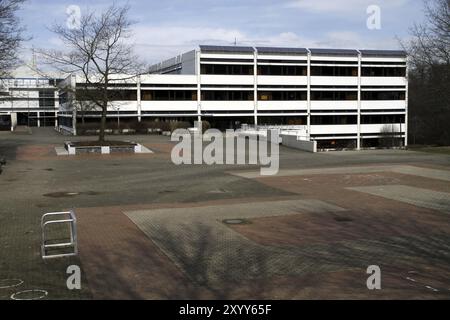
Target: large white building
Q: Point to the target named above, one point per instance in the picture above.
(342, 98)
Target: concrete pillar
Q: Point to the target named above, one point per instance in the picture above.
(13, 120)
(255, 88)
(309, 96)
(56, 108)
(407, 102)
(358, 143)
(199, 88)
(139, 104)
(74, 122)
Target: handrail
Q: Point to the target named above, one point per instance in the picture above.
(72, 221)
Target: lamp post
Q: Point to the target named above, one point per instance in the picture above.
(118, 118)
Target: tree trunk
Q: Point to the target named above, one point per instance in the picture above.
(101, 136)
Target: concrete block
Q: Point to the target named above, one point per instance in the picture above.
(292, 141)
(138, 148)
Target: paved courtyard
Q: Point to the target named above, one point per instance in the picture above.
(151, 230)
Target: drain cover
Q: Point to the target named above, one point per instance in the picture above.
(60, 194)
(235, 221)
(29, 295)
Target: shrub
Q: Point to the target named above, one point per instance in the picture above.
(205, 126)
(174, 125)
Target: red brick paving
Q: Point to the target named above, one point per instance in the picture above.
(121, 262)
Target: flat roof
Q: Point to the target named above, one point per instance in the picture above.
(340, 52)
(226, 49)
(293, 50)
(282, 50)
(383, 53)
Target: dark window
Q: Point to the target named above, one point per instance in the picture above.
(325, 120)
(383, 72)
(227, 95)
(113, 95)
(46, 98)
(169, 95)
(226, 69)
(383, 95)
(5, 122)
(63, 97)
(334, 71)
(282, 70)
(122, 95)
(387, 118)
(282, 95)
(334, 95)
(337, 144)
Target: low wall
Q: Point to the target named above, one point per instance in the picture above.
(66, 130)
(292, 141)
(75, 150)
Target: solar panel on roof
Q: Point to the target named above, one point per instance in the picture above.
(390, 53)
(204, 48)
(281, 50)
(351, 52)
(317, 51)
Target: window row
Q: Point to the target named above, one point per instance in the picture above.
(333, 120)
(352, 119)
(353, 95)
(334, 71)
(169, 95)
(383, 72)
(387, 118)
(282, 95)
(227, 95)
(328, 71)
(224, 69)
(383, 95)
(235, 95)
(334, 95)
(282, 71)
(114, 95)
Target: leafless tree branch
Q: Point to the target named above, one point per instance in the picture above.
(99, 52)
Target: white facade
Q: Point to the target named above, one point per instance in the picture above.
(339, 96)
(28, 102)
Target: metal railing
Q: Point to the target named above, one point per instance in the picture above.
(68, 218)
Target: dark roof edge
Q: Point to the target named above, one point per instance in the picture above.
(282, 50)
(313, 51)
(385, 53)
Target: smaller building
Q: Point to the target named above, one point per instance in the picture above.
(32, 102)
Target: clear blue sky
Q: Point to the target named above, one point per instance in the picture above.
(168, 27)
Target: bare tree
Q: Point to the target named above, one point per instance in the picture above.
(10, 35)
(100, 52)
(390, 136)
(429, 52)
(431, 40)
